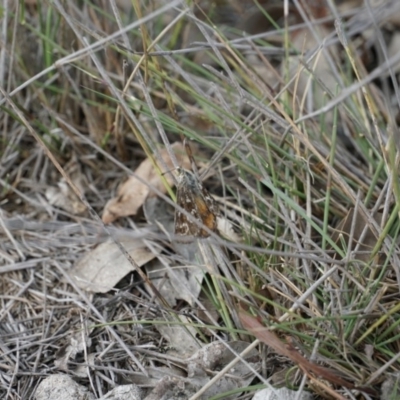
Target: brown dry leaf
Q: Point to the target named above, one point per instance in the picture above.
(225, 228)
(133, 193)
(311, 369)
(102, 268)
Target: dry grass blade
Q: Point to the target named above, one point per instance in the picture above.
(263, 334)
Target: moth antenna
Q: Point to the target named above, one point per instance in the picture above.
(169, 170)
(189, 153)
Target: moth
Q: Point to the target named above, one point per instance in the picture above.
(197, 201)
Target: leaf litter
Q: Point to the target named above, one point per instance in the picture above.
(133, 193)
(106, 334)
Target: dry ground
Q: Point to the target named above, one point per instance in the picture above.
(292, 119)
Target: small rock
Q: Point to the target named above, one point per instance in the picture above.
(124, 392)
(61, 387)
(281, 394)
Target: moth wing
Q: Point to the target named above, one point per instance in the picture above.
(184, 225)
(196, 200)
(208, 210)
(210, 201)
